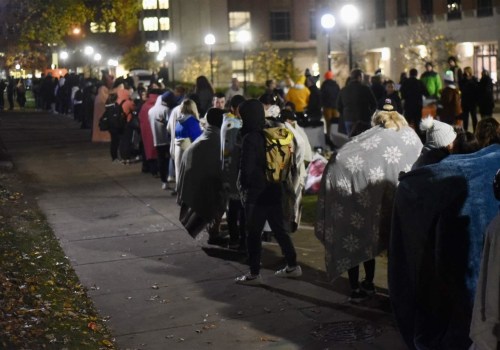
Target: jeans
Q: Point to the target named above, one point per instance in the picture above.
(256, 217)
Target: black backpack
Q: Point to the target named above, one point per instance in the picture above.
(113, 117)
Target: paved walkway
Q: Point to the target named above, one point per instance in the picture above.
(160, 288)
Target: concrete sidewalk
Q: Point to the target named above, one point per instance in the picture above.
(160, 288)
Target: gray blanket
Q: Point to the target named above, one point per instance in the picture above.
(356, 195)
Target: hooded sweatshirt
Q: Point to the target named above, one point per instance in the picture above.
(252, 183)
(158, 117)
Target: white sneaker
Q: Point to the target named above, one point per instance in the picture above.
(289, 272)
(171, 179)
(164, 186)
(249, 280)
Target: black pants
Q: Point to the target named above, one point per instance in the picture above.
(163, 161)
(116, 135)
(126, 142)
(472, 110)
(354, 273)
(236, 221)
(256, 217)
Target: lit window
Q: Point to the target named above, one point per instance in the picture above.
(164, 4)
(238, 21)
(97, 27)
(237, 65)
(280, 26)
(112, 27)
(164, 23)
(454, 9)
(149, 4)
(152, 46)
(150, 24)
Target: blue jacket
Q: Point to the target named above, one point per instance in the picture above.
(440, 216)
(188, 127)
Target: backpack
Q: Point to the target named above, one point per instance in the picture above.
(279, 154)
(113, 117)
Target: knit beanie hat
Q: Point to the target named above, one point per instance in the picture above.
(328, 75)
(215, 117)
(438, 134)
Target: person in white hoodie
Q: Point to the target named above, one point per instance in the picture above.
(158, 119)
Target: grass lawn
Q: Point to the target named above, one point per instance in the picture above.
(42, 303)
(309, 209)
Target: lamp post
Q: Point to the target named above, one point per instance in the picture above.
(210, 41)
(64, 56)
(244, 37)
(328, 22)
(170, 48)
(350, 16)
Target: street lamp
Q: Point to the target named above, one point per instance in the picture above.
(244, 37)
(350, 16)
(210, 41)
(328, 22)
(89, 50)
(170, 48)
(97, 57)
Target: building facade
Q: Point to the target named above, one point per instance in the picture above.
(389, 31)
(289, 25)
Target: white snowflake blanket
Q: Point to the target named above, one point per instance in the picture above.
(356, 195)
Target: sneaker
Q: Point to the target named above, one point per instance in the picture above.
(367, 287)
(164, 186)
(171, 179)
(289, 272)
(249, 280)
(358, 296)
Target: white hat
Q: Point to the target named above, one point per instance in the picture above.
(438, 134)
(449, 77)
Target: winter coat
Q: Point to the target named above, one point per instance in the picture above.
(432, 83)
(451, 102)
(313, 109)
(412, 92)
(99, 108)
(158, 118)
(146, 132)
(252, 182)
(440, 216)
(485, 96)
(230, 153)
(187, 127)
(329, 93)
(299, 96)
(356, 102)
(469, 90)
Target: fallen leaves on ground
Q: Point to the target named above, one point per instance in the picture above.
(42, 303)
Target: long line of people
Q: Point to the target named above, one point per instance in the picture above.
(383, 189)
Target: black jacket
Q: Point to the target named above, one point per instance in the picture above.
(356, 102)
(412, 91)
(329, 93)
(252, 183)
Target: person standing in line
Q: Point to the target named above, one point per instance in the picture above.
(413, 92)
(205, 93)
(457, 71)
(469, 90)
(485, 92)
(432, 81)
(11, 86)
(233, 90)
(2, 91)
(329, 94)
(21, 93)
(451, 102)
(187, 130)
(158, 118)
(262, 200)
(356, 102)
